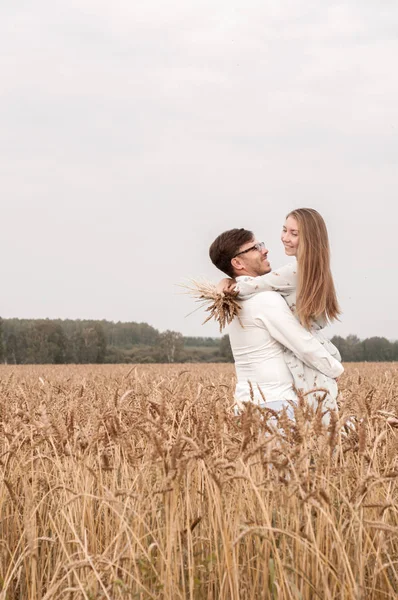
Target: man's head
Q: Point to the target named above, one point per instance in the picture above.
(237, 252)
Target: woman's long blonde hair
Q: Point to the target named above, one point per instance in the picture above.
(316, 294)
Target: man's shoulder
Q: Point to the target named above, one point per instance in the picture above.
(264, 299)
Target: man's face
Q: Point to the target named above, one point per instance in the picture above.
(251, 260)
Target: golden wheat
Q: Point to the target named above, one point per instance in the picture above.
(138, 482)
(222, 307)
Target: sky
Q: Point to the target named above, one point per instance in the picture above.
(132, 134)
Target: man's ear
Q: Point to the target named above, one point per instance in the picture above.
(237, 264)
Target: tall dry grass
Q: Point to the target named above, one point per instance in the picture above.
(140, 483)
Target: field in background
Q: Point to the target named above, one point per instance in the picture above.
(122, 483)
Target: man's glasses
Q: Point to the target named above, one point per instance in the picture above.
(260, 247)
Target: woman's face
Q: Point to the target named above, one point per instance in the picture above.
(290, 236)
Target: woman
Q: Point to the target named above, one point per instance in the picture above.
(308, 288)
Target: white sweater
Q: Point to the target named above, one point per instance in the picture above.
(258, 338)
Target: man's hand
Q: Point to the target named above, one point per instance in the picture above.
(226, 286)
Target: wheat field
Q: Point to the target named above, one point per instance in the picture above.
(125, 482)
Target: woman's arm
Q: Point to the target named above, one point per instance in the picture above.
(283, 281)
(274, 315)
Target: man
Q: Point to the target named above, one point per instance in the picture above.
(266, 325)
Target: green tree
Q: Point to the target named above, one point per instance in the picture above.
(11, 349)
(171, 344)
(101, 343)
(91, 345)
(377, 349)
(225, 349)
(351, 348)
(46, 343)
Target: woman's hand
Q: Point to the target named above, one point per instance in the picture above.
(226, 286)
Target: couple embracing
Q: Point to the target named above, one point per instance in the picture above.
(278, 341)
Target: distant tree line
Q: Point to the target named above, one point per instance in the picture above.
(56, 341)
(374, 349)
(352, 349)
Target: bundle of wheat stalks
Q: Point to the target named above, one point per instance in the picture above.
(222, 307)
(124, 483)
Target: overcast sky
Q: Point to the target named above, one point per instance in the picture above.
(132, 133)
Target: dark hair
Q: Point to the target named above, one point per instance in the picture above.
(226, 246)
